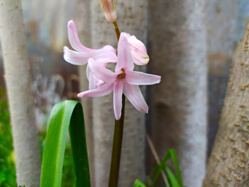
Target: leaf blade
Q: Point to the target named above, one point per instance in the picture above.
(172, 179)
(65, 115)
(138, 183)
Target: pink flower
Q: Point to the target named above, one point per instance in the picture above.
(82, 54)
(124, 81)
(109, 10)
(138, 50)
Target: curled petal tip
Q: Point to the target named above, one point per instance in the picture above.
(80, 95)
(147, 58)
(159, 79)
(145, 109)
(118, 118)
(142, 61)
(70, 23)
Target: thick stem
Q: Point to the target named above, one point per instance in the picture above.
(116, 148)
(116, 29)
(117, 138)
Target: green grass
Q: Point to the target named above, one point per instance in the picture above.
(174, 179)
(7, 166)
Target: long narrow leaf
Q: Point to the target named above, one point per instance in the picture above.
(172, 179)
(66, 115)
(156, 174)
(172, 154)
(138, 183)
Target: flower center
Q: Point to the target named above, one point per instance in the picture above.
(121, 75)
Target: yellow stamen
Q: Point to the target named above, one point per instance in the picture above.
(121, 75)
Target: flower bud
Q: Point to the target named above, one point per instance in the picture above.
(138, 50)
(109, 10)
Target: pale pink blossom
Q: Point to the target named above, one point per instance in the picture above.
(138, 50)
(124, 81)
(82, 54)
(109, 10)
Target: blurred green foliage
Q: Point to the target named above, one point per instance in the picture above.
(7, 166)
(173, 179)
(7, 162)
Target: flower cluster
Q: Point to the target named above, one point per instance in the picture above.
(103, 81)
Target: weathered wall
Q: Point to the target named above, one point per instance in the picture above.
(179, 108)
(222, 32)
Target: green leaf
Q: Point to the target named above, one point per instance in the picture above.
(153, 178)
(156, 173)
(65, 115)
(138, 183)
(172, 154)
(171, 177)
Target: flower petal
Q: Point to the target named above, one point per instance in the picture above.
(74, 37)
(101, 72)
(75, 57)
(104, 57)
(124, 55)
(138, 51)
(133, 93)
(140, 78)
(94, 82)
(77, 45)
(98, 92)
(117, 98)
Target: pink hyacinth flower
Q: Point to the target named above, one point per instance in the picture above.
(82, 54)
(124, 81)
(138, 50)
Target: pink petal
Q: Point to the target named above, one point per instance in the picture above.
(140, 78)
(140, 60)
(117, 98)
(124, 55)
(100, 72)
(104, 57)
(133, 93)
(138, 50)
(94, 82)
(98, 92)
(109, 48)
(134, 42)
(74, 38)
(76, 44)
(75, 57)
